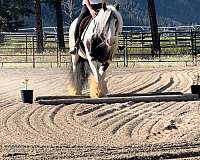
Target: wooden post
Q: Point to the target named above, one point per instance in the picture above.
(26, 48)
(57, 55)
(39, 30)
(126, 51)
(176, 41)
(33, 52)
(60, 34)
(154, 28)
(111, 100)
(142, 38)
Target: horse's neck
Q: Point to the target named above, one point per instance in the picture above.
(91, 29)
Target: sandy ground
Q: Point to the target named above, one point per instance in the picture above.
(156, 130)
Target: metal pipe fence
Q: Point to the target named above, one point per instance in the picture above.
(177, 46)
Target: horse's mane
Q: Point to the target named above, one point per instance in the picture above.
(103, 17)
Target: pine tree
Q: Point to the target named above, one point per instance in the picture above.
(12, 13)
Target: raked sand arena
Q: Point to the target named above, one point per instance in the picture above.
(157, 130)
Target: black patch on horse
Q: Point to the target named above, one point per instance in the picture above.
(99, 51)
(84, 24)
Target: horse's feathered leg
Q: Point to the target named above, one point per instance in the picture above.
(95, 80)
(75, 85)
(102, 70)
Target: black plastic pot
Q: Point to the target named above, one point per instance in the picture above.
(27, 96)
(195, 89)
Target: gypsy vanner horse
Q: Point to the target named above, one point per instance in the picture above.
(99, 43)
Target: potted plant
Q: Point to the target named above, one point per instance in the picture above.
(27, 94)
(195, 87)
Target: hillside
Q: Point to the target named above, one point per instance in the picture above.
(135, 12)
(169, 13)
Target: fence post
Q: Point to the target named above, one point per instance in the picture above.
(33, 52)
(126, 51)
(124, 44)
(57, 51)
(26, 48)
(142, 34)
(176, 39)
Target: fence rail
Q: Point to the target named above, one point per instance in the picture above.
(177, 46)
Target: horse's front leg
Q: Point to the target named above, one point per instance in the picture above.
(102, 71)
(96, 90)
(75, 84)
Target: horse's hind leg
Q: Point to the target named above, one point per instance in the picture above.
(75, 83)
(74, 88)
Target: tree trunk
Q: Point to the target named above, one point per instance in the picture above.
(60, 34)
(154, 28)
(1, 3)
(39, 30)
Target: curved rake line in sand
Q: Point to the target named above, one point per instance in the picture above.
(184, 84)
(157, 81)
(105, 110)
(190, 134)
(95, 117)
(165, 83)
(53, 130)
(124, 81)
(11, 130)
(45, 120)
(38, 121)
(4, 105)
(116, 125)
(72, 118)
(41, 86)
(65, 120)
(5, 134)
(156, 109)
(130, 128)
(149, 124)
(189, 82)
(32, 130)
(60, 120)
(174, 86)
(132, 125)
(27, 118)
(177, 135)
(110, 110)
(163, 112)
(110, 119)
(30, 134)
(50, 123)
(51, 115)
(35, 117)
(145, 82)
(27, 126)
(10, 114)
(90, 110)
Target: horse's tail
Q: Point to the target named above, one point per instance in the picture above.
(79, 77)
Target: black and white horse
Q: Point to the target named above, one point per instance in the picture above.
(99, 43)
